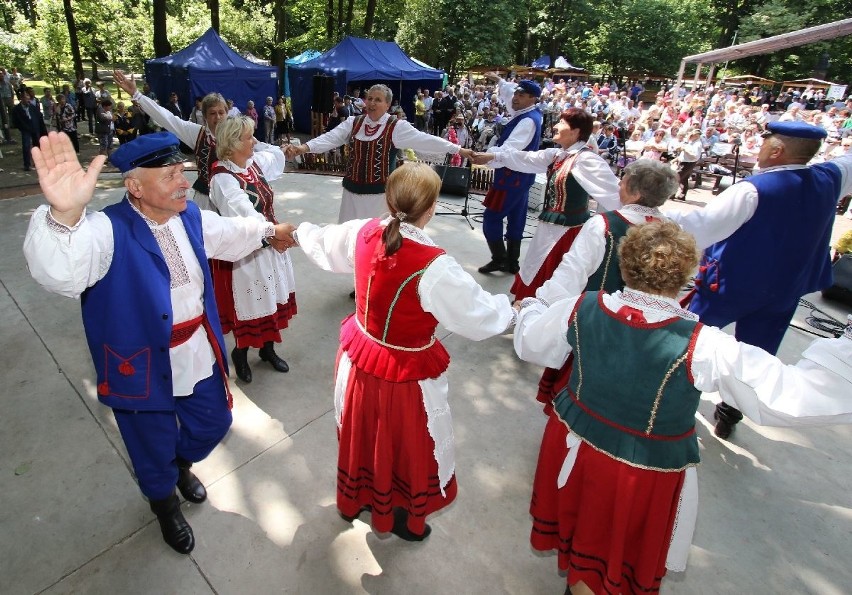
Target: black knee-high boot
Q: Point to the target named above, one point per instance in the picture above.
(498, 257)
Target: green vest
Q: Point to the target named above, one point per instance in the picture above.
(566, 202)
(630, 393)
(608, 276)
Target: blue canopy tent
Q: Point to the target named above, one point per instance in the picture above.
(542, 62)
(359, 62)
(303, 57)
(208, 65)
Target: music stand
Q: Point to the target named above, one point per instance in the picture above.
(458, 185)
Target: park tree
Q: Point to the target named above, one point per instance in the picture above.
(49, 55)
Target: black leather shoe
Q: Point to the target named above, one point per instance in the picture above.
(351, 519)
(491, 267)
(176, 531)
(726, 418)
(267, 354)
(241, 367)
(400, 527)
(189, 485)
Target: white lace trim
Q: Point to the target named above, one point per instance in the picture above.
(411, 232)
(659, 303)
(650, 211)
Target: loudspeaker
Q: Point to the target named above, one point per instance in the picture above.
(841, 291)
(454, 180)
(323, 99)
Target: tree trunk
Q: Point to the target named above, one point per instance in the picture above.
(213, 5)
(279, 49)
(329, 23)
(162, 47)
(349, 8)
(340, 25)
(72, 37)
(369, 17)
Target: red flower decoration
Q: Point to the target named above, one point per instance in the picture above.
(714, 287)
(126, 368)
(103, 389)
(702, 268)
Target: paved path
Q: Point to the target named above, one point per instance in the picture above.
(775, 516)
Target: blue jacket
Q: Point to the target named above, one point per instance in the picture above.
(127, 315)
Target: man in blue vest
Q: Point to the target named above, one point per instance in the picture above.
(508, 197)
(766, 241)
(140, 269)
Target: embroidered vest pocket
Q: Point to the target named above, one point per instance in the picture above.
(127, 372)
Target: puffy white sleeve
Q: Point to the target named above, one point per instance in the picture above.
(541, 331)
(68, 260)
(722, 216)
(330, 247)
(596, 178)
(817, 390)
(531, 162)
(270, 159)
(230, 199)
(452, 296)
(578, 264)
(235, 237)
(185, 130)
(406, 136)
(332, 139)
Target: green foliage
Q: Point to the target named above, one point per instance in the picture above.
(50, 53)
(605, 37)
(645, 36)
(13, 46)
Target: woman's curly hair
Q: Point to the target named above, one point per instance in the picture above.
(657, 257)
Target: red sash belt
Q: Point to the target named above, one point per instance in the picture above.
(183, 331)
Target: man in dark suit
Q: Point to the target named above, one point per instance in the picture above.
(27, 118)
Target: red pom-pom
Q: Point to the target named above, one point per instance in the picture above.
(702, 268)
(103, 389)
(698, 282)
(126, 369)
(714, 287)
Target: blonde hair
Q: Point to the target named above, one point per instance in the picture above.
(228, 134)
(411, 190)
(657, 257)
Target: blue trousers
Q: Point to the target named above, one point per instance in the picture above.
(760, 324)
(154, 439)
(513, 210)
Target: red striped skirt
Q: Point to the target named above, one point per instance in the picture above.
(611, 523)
(385, 458)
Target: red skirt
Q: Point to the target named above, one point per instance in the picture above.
(386, 455)
(611, 523)
(545, 271)
(247, 333)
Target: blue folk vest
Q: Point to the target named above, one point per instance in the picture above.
(782, 252)
(507, 179)
(127, 315)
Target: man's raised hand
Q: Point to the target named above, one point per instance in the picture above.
(67, 187)
(127, 85)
